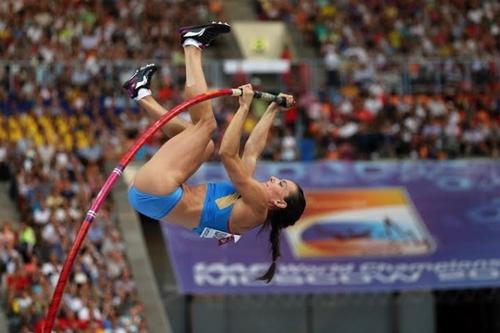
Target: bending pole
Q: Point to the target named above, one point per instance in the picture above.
(106, 188)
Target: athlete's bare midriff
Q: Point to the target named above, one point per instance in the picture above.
(187, 212)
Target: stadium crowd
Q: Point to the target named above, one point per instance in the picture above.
(51, 31)
(443, 55)
(89, 114)
(374, 28)
(61, 121)
(52, 187)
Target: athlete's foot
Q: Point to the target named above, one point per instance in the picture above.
(202, 35)
(141, 79)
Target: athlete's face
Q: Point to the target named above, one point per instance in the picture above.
(278, 190)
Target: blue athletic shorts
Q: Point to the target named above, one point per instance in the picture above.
(152, 205)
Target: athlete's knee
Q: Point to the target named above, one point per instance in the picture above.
(208, 123)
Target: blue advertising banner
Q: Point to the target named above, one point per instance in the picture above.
(368, 226)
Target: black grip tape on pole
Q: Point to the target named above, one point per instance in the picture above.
(280, 100)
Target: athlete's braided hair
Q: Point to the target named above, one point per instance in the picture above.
(278, 219)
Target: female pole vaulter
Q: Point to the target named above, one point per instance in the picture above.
(222, 210)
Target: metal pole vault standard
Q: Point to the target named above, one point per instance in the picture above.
(113, 177)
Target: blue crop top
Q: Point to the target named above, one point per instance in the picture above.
(217, 208)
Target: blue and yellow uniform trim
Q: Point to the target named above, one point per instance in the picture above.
(217, 208)
(219, 203)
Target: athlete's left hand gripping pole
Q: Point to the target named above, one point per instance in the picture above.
(106, 188)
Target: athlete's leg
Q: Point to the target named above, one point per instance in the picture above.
(156, 111)
(194, 39)
(176, 160)
(138, 88)
(174, 126)
(196, 83)
(183, 154)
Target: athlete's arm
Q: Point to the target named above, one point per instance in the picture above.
(258, 138)
(230, 144)
(250, 190)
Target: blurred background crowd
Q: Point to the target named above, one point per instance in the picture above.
(63, 115)
(455, 44)
(52, 186)
(377, 29)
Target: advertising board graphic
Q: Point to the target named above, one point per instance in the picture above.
(368, 226)
(359, 222)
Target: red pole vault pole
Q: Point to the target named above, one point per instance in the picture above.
(106, 188)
